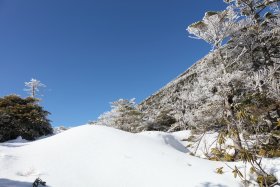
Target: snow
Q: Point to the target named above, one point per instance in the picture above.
(18, 140)
(57, 130)
(101, 156)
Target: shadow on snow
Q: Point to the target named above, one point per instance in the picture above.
(13, 183)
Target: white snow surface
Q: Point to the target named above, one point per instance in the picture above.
(99, 156)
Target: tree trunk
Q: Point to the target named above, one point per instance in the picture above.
(33, 91)
(232, 126)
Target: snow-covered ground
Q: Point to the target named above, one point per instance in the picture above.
(99, 156)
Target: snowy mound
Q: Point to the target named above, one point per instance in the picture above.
(97, 156)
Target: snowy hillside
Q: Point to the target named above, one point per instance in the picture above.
(100, 156)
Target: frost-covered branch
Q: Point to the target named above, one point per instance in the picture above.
(32, 87)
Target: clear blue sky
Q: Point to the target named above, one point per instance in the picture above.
(92, 52)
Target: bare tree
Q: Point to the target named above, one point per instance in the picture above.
(32, 87)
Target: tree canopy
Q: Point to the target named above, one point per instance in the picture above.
(22, 117)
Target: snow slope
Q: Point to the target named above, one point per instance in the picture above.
(99, 156)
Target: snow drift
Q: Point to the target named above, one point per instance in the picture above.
(98, 156)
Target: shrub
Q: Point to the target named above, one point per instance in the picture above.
(124, 115)
(22, 117)
(162, 122)
(38, 182)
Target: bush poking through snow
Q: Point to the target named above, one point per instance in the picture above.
(38, 182)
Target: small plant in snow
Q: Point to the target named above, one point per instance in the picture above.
(39, 182)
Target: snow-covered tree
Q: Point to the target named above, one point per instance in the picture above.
(251, 28)
(255, 10)
(32, 87)
(124, 115)
(215, 26)
(241, 92)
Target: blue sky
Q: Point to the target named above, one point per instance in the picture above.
(92, 52)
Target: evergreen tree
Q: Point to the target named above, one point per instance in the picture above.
(22, 117)
(124, 115)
